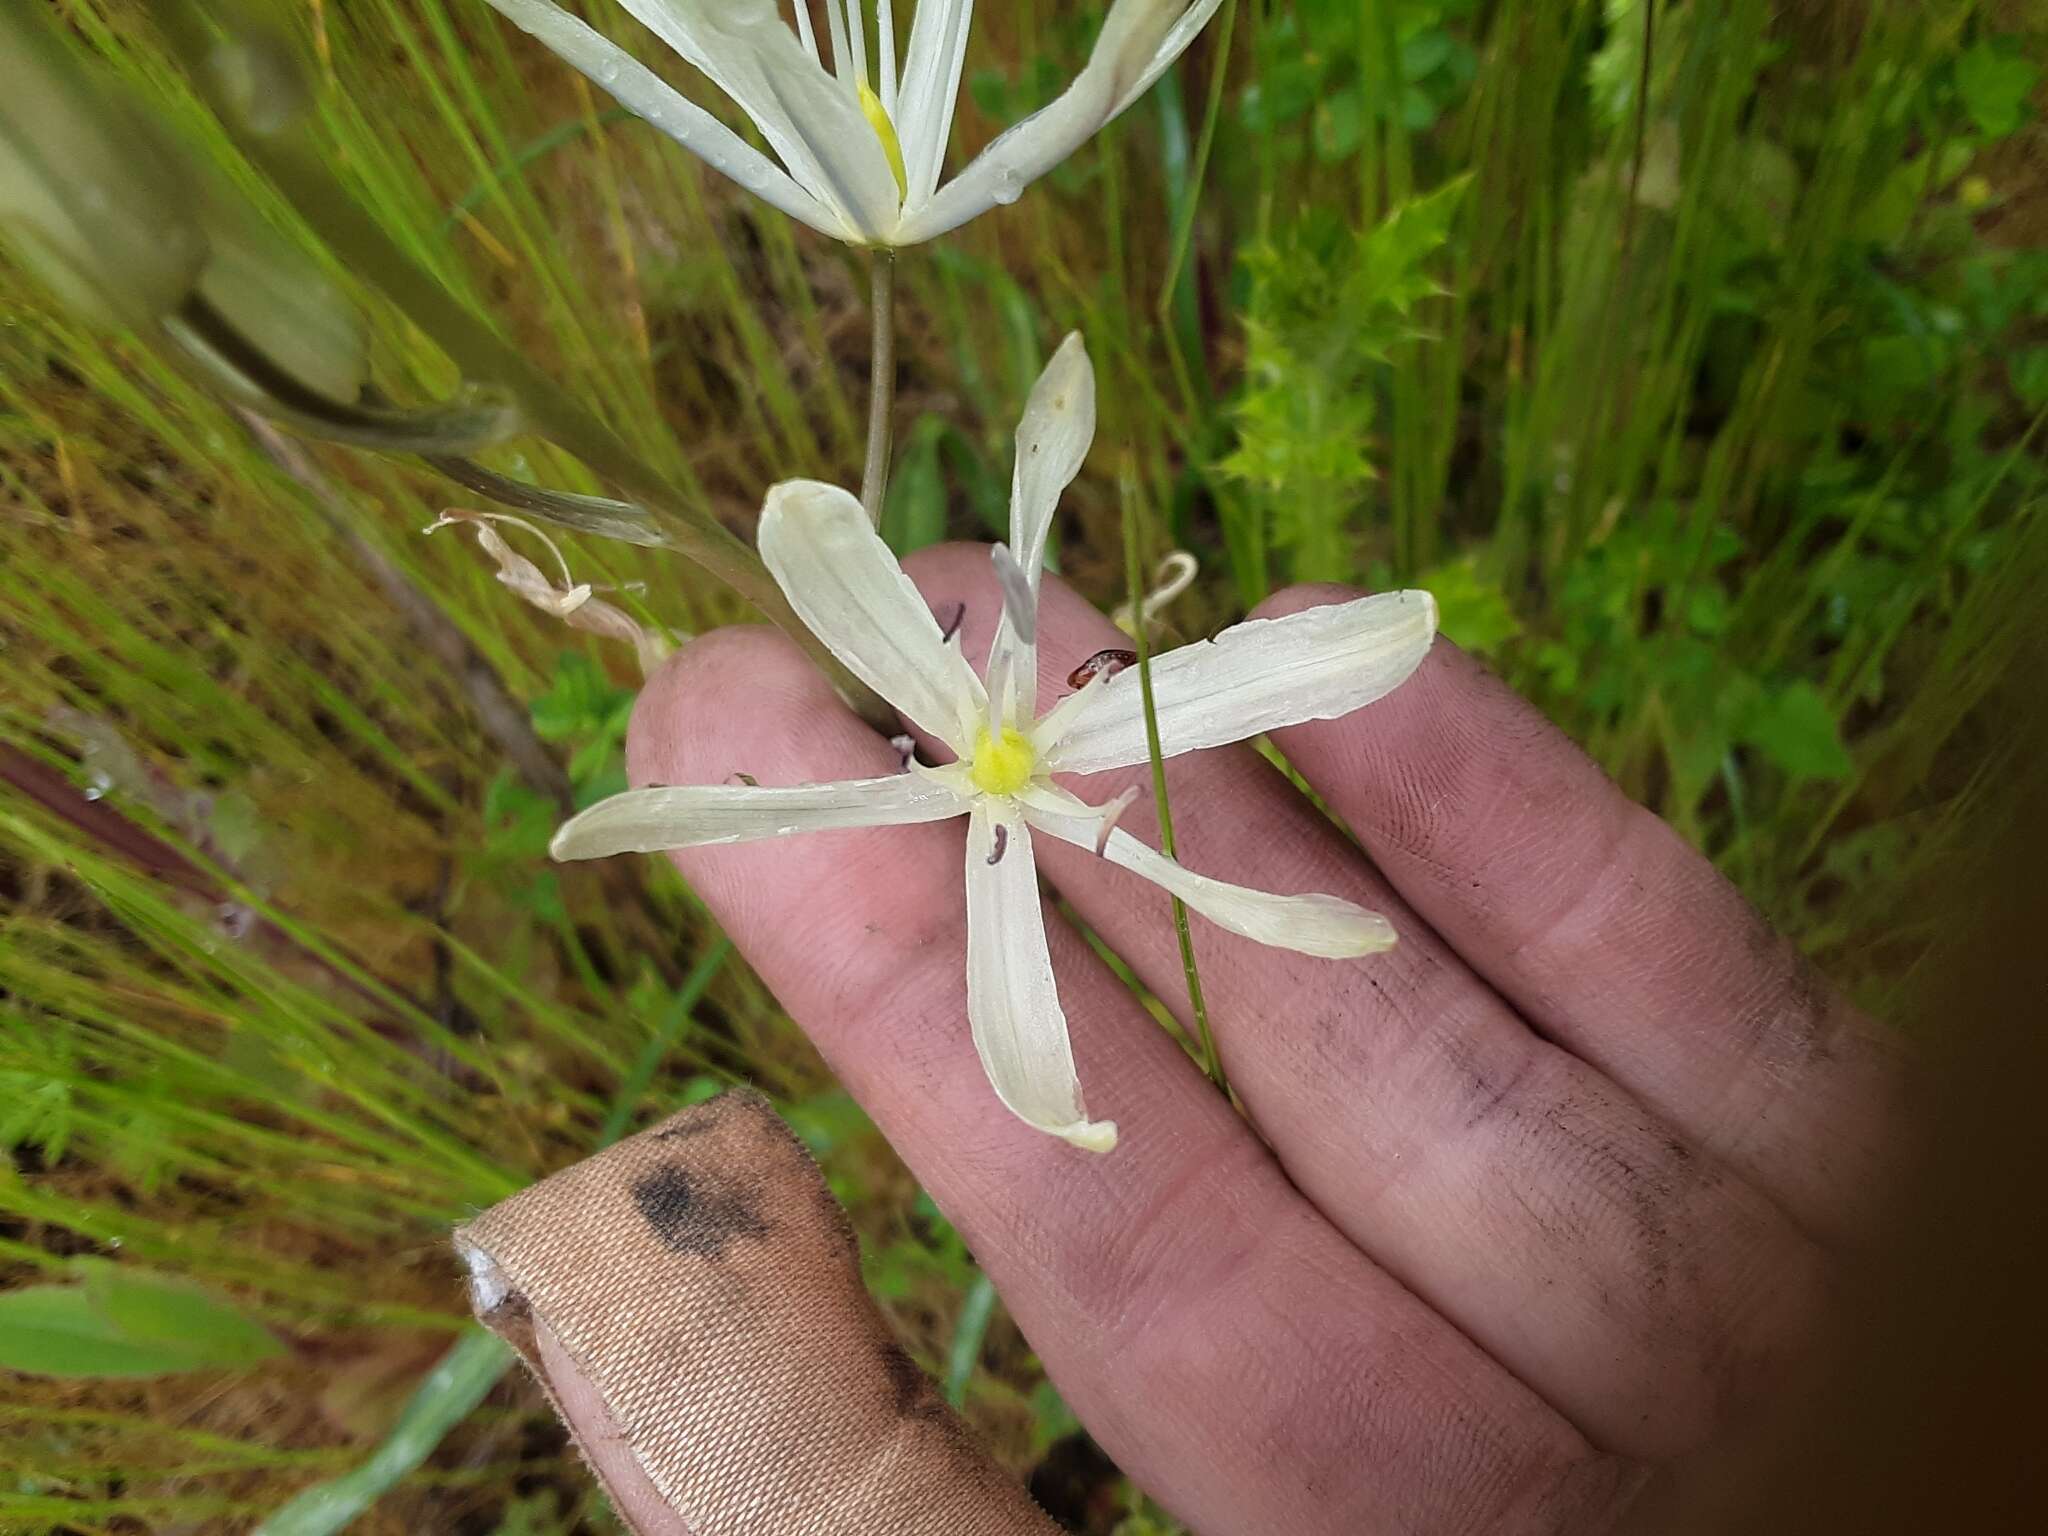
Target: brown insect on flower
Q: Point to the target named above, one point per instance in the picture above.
(1105, 663)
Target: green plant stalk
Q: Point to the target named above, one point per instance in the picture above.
(968, 1334)
(527, 154)
(1191, 197)
(1134, 578)
(455, 1385)
(672, 1024)
(874, 479)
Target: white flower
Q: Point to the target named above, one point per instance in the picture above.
(1253, 677)
(860, 160)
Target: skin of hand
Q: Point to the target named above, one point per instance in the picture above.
(1543, 1207)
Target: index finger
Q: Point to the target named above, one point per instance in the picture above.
(1608, 931)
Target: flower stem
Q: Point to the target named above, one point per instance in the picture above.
(874, 483)
(1127, 484)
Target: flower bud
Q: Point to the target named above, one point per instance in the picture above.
(277, 299)
(1131, 36)
(257, 77)
(92, 200)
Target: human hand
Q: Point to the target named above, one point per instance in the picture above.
(1544, 1199)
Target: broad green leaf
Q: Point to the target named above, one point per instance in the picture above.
(157, 1309)
(1994, 85)
(1340, 123)
(915, 513)
(122, 1323)
(1795, 729)
(1471, 607)
(2029, 373)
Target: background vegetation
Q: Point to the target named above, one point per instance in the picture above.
(1697, 359)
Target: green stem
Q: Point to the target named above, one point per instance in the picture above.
(874, 482)
(1184, 215)
(659, 1043)
(968, 1334)
(440, 1402)
(1134, 576)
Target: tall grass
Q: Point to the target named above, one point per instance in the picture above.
(1670, 349)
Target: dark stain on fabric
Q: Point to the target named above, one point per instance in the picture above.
(698, 1119)
(692, 1214)
(687, 1130)
(915, 1397)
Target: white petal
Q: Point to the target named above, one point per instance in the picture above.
(1127, 57)
(1310, 924)
(1170, 48)
(1256, 676)
(705, 815)
(1053, 437)
(807, 117)
(1012, 1003)
(640, 91)
(931, 86)
(848, 589)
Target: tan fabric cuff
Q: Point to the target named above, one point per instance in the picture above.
(708, 1288)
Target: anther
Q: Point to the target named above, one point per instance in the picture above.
(1002, 844)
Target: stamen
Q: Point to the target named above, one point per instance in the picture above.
(842, 54)
(1110, 812)
(906, 748)
(1020, 605)
(807, 33)
(1057, 721)
(885, 45)
(950, 625)
(998, 683)
(856, 32)
(745, 778)
(1002, 844)
(1104, 664)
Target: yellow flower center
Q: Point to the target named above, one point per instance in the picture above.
(885, 130)
(1002, 767)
